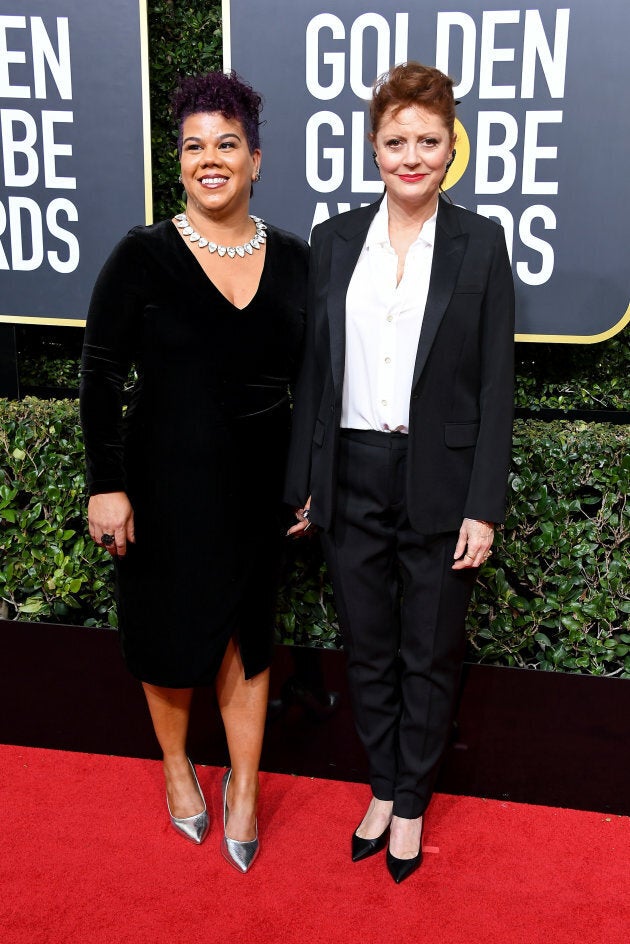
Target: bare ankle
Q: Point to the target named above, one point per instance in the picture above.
(176, 763)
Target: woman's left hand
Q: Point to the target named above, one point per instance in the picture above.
(473, 546)
(304, 521)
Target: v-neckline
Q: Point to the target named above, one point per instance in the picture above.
(196, 263)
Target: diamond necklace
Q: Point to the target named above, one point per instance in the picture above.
(254, 243)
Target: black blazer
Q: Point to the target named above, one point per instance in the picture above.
(461, 408)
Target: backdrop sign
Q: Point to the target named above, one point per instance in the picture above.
(74, 149)
(542, 132)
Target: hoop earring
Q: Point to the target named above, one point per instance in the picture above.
(453, 156)
(179, 179)
(374, 158)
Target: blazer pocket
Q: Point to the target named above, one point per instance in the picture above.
(468, 289)
(319, 433)
(460, 435)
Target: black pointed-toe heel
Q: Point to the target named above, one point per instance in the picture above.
(364, 848)
(400, 869)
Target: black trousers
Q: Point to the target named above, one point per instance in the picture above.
(402, 613)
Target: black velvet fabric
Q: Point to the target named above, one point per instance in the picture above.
(200, 450)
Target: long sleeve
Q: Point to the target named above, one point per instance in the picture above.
(489, 476)
(110, 346)
(308, 393)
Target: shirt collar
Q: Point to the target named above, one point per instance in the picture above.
(378, 233)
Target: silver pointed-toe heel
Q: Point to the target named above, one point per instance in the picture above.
(194, 827)
(239, 854)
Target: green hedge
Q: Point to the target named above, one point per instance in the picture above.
(51, 570)
(555, 594)
(574, 376)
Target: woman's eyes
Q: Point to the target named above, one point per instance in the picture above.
(425, 142)
(222, 146)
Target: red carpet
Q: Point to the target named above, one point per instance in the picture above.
(87, 855)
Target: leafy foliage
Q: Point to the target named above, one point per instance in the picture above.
(574, 376)
(48, 355)
(555, 594)
(49, 372)
(305, 614)
(51, 570)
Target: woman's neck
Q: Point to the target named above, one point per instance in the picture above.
(407, 218)
(229, 228)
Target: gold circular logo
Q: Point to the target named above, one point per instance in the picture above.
(459, 165)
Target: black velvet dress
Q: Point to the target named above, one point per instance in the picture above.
(200, 450)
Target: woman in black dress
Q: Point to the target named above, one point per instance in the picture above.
(186, 484)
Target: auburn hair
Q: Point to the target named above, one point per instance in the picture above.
(412, 83)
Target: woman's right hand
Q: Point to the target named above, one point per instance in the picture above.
(111, 514)
(304, 522)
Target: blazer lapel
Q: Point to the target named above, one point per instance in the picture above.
(347, 243)
(448, 252)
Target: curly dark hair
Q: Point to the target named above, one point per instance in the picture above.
(412, 83)
(225, 92)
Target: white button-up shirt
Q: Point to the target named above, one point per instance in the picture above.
(383, 322)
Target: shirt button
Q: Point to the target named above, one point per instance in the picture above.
(390, 317)
(383, 402)
(388, 360)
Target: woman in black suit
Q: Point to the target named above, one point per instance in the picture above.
(401, 442)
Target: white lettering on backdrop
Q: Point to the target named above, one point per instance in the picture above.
(337, 57)
(34, 146)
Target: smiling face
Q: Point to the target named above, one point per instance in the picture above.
(412, 148)
(217, 166)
